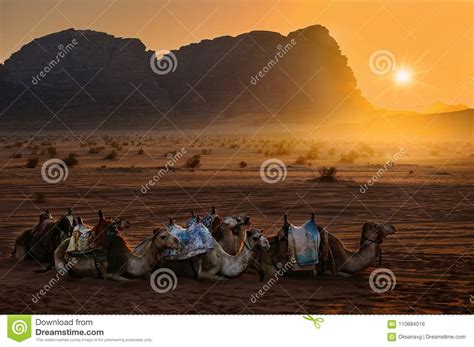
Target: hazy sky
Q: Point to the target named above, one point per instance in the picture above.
(432, 41)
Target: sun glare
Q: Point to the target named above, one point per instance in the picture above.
(402, 77)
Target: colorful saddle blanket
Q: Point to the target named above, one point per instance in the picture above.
(206, 221)
(194, 240)
(303, 244)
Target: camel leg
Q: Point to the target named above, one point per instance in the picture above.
(115, 277)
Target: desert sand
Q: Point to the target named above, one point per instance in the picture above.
(426, 194)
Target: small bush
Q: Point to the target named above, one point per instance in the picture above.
(301, 160)
(327, 174)
(16, 155)
(193, 162)
(40, 198)
(32, 162)
(349, 157)
(112, 155)
(71, 160)
(141, 151)
(242, 164)
(52, 151)
(96, 150)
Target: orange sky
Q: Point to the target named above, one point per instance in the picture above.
(433, 39)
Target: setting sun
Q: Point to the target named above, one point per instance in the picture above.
(402, 76)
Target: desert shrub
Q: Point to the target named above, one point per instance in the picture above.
(96, 150)
(313, 152)
(349, 157)
(207, 151)
(16, 155)
(71, 160)
(112, 155)
(301, 160)
(40, 197)
(141, 151)
(366, 149)
(170, 154)
(327, 174)
(52, 151)
(193, 162)
(242, 164)
(32, 162)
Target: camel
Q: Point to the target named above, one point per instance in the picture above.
(40, 241)
(341, 261)
(232, 232)
(120, 262)
(217, 264)
(212, 221)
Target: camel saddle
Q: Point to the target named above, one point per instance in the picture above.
(99, 254)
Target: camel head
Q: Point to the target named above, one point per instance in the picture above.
(66, 224)
(373, 232)
(235, 223)
(162, 239)
(256, 240)
(122, 224)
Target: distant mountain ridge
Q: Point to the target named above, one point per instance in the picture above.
(83, 79)
(212, 78)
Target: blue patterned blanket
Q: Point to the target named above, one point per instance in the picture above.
(303, 243)
(194, 240)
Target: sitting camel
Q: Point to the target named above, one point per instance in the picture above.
(40, 241)
(341, 261)
(217, 264)
(232, 232)
(120, 262)
(212, 221)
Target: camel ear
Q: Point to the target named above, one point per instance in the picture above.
(101, 215)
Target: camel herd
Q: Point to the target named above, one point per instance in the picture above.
(237, 247)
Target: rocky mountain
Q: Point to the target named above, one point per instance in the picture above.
(89, 79)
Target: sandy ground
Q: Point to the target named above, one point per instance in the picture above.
(427, 196)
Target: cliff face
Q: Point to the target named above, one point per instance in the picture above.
(302, 75)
